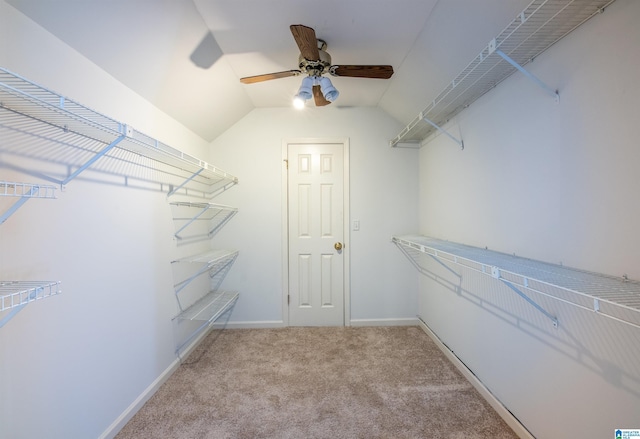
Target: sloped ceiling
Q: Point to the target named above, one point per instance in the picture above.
(187, 56)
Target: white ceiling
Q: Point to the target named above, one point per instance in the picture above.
(187, 56)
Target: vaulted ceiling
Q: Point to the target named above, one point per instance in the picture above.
(187, 56)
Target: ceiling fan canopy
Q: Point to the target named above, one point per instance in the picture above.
(315, 61)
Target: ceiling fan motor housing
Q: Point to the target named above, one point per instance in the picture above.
(315, 67)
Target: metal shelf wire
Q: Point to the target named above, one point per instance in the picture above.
(14, 294)
(87, 135)
(534, 30)
(187, 213)
(611, 297)
(28, 190)
(24, 192)
(210, 307)
(212, 262)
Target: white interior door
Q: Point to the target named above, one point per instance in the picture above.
(316, 205)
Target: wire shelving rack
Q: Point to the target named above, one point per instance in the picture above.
(611, 297)
(80, 137)
(541, 24)
(186, 213)
(15, 295)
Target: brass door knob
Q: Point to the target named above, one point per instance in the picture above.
(337, 246)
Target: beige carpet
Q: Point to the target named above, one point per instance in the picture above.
(304, 383)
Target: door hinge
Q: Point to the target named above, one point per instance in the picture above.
(286, 163)
(288, 299)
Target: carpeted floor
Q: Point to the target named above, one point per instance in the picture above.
(304, 383)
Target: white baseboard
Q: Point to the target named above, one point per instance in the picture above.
(137, 404)
(494, 402)
(267, 324)
(385, 322)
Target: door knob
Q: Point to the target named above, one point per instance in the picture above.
(337, 246)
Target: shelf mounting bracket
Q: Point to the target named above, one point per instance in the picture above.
(194, 218)
(495, 272)
(15, 206)
(550, 91)
(12, 313)
(443, 131)
(437, 259)
(92, 160)
(177, 188)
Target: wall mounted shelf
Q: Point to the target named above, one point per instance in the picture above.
(187, 213)
(534, 30)
(79, 137)
(614, 298)
(212, 262)
(42, 126)
(15, 295)
(210, 307)
(24, 192)
(215, 303)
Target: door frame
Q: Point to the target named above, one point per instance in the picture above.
(346, 251)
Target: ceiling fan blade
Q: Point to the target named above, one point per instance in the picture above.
(269, 76)
(378, 72)
(318, 97)
(306, 40)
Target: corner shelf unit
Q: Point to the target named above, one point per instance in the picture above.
(186, 213)
(79, 137)
(15, 295)
(534, 30)
(614, 298)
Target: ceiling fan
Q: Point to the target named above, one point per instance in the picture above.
(315, 62)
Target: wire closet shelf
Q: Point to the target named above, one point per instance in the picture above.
(16, 294)
(88, 132)
(535, 29)
(187, 213)
(216, 302)
(29, 190)
(611, 297)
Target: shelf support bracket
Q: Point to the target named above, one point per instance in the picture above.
(93, 159)
(437, 259)
(198, 215)
(15, 207)
(177, 188)
(443, 131)
(12, 313)
(553, 93)
(495, 272)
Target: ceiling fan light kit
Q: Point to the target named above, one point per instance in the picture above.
(315, 62)
(318, 87)
(328, 90)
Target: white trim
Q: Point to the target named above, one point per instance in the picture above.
(385, 322)
(285, 233)
(137, 404)
(346, 252)
(267, 324)
(494, 402)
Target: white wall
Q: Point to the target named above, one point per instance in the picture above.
(384, 189)
(554, 182)
(71, 364)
